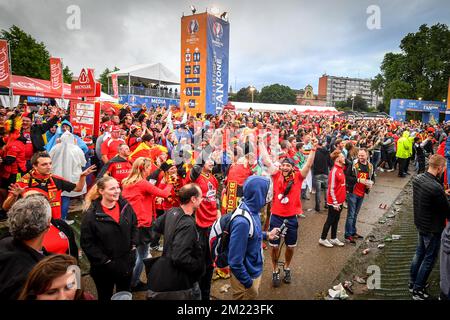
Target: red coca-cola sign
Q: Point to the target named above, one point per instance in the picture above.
(5, 75)
(56, 75)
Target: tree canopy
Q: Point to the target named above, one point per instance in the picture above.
(420, 70)
(278, 94)
(29, 57)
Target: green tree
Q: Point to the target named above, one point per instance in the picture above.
(341, 105)
(359, 105)
(28, 56)
(103, 79)
(67, 75)
(245, 95)
(278, 94)
(420, 70)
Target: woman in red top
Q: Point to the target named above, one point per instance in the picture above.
(336, 196)
(141, 195)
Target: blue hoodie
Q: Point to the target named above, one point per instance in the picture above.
(49, 146)
(245, 254)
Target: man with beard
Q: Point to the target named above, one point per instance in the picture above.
(286, 205)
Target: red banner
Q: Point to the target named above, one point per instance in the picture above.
(115, 86)
(56, 76)
(5, 73)
(86, 85)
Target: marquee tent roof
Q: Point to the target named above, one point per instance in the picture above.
(152, 73)
(26, 86)
(245, 106)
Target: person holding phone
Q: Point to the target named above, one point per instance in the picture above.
(335, 198)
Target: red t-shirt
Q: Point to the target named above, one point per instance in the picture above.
(141, 197)
(55, 241)
(206, 214)
(114, 212)
(110, 147)
(28, 145)
(293, 206)
(119, 170)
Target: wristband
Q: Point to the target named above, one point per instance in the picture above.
(313, 150)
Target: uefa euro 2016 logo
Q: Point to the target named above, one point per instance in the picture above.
(217, 30)
(193, 26)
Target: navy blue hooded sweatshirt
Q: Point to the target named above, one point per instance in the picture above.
(245, 254)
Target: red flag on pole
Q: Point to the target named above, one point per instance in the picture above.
(115, 85)
(56, 76)
(5, 72)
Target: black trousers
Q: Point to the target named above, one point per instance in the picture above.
(332, 222)
(401, 166)
(105, 281)
(205, 280)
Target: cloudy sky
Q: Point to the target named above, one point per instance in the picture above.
(292, 42)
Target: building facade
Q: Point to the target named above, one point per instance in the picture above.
(341, 88)
(307, 97)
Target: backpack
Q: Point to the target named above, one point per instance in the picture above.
(219, 237)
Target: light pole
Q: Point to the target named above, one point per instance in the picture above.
(252, 90)
(353, 99)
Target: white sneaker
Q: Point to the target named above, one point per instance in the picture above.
(336, 242)
(381, 169)
(325, 243)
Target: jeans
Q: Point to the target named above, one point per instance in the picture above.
(65, 203)
(423, 262)
(320, 181)
(376, 158)
(141, 254)
(354, 205)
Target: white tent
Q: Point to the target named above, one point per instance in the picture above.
(106, 98)
(150, 73)
(269, 107)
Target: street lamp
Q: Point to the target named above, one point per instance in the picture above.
(252, 90)
(353, 99)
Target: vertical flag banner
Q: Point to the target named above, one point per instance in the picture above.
(115, 86)
(56, 76)
(5, 73)
(204, 63)
(218, 54)
(448, 96)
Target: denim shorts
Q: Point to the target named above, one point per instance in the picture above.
(292, 227)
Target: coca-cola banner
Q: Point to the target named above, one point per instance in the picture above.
(115, 85)
(5, 74)
(56, 76)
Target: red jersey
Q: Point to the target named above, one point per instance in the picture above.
(51, 186)
(15, 149)
(110, 147)
(28, 146)
(119, 170)
(55, 241)
(362, 172)
(336, 186)
(141, 197)
(290, 205)
(206, 214)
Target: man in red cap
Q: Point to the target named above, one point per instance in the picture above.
(110, 146)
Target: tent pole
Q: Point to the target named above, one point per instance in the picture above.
(129, 84)
(108, 85)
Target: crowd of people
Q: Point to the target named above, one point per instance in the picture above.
(159, 178)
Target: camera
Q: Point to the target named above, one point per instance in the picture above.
(283, 228)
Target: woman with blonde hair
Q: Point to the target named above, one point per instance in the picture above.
(55, 278)
(109, 237)
(141, 195)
